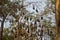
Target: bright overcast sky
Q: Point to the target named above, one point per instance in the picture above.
(39, 5)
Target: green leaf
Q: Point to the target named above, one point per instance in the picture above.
(53, 1)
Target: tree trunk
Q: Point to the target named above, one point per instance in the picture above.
(57, 19)
(41, 35)
(2, 25)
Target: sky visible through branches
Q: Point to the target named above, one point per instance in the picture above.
(39, 5)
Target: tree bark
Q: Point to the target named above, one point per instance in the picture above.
(41, 35)
(57, 19)
(2, 25)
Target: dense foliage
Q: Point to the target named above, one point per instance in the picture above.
(25, 25)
